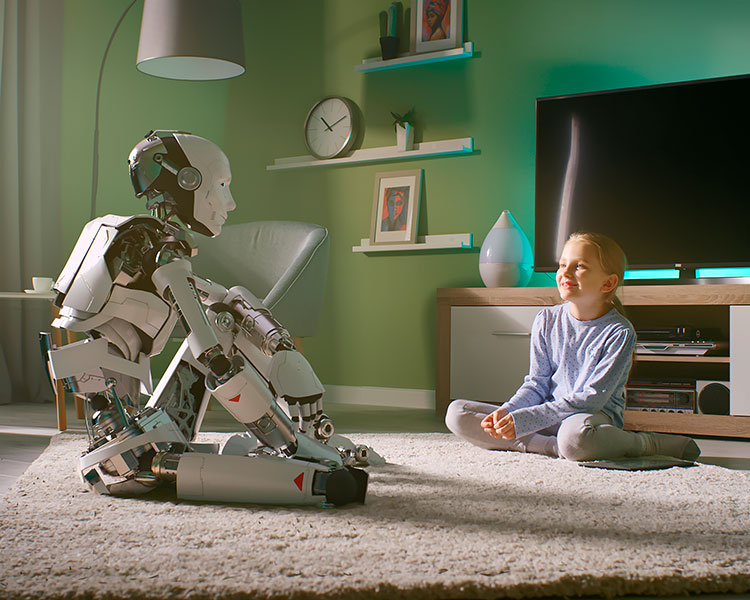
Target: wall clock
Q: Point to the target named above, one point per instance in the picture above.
(331, 127)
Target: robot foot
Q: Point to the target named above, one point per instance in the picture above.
(355, 454)
(345, 486)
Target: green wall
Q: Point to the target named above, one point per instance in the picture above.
(379, 320)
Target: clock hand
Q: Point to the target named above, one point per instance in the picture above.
(339, 121)
(326, 124)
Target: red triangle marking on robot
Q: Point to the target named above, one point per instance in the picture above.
(235, 399)
(298, 480)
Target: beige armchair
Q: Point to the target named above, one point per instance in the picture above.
(284, 263)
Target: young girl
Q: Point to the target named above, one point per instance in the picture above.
(572, 401)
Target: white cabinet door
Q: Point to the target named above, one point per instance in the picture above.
(739, 353)
(489, 350)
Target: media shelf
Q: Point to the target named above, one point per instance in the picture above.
(684, 359)
(688, 424)
(481, 328)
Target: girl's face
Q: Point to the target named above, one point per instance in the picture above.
(580, 276)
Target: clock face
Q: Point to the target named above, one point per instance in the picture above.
(331, 127)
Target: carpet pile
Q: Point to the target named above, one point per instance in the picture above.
(442, 520)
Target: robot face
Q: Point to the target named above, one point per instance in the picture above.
(185, 172)
(212, 200)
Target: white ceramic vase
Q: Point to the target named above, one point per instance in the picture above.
(404, 137)
(506, 258)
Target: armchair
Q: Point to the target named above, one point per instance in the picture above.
(284, 263)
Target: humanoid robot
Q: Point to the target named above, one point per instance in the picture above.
(126, 284)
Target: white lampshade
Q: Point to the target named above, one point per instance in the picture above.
(191, 39)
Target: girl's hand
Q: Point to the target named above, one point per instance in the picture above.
(499, 424)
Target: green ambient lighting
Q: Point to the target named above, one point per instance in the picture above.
(652, 274)
(725, 272)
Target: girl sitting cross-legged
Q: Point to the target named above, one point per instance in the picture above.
(572, 401)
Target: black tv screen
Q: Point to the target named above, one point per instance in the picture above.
(664, 170)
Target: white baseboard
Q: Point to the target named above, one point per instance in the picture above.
(379, 396)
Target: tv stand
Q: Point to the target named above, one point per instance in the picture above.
(483, 347)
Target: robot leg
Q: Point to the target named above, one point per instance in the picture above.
(182, 392)
(293, 379)
(120, 462)
(248, 399)
(261, 479)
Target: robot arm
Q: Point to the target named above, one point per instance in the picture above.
(243, 313)
(235, 382)
(174, 283)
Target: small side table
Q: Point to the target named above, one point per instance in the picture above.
(62, 420)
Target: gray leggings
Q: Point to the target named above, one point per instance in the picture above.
(582, 436)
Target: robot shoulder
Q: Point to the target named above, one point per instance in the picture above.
(109, 245)
(97, 235)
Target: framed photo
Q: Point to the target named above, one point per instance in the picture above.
(395, 207)
(436, 25)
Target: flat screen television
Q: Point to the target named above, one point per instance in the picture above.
(663, 169)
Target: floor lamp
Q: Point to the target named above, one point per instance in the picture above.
(192, 40)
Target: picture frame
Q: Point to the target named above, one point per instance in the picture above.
(395, 207)
(436, 25)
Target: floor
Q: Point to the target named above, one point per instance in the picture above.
(25, 430)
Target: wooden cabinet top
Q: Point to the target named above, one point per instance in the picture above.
(701, 294)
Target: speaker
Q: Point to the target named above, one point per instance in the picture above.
(712, 397)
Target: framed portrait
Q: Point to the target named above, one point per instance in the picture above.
(436, 25)
(395, 207)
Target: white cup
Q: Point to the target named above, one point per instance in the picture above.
(42, 284)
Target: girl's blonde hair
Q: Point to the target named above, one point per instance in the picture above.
(611, 257)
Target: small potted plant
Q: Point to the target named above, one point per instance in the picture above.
(404, 125)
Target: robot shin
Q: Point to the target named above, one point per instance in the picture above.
(145, 455)
(264, 479)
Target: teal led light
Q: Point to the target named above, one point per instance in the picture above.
(652, 274)
(724, 272)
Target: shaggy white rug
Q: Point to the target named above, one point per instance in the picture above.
(442, 520)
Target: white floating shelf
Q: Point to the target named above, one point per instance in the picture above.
(412, 60)
(385, 153)
(424, 242)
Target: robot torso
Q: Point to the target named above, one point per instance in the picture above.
(107, 279)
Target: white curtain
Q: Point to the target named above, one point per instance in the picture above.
(30, 156)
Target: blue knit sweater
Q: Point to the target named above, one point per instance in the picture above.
(576, 366)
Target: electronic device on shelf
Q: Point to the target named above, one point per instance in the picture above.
(712, 397)
(677, 348)
(676, 396)
(682, 340)
(661, 169)
(678, 333)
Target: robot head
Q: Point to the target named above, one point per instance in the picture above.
(186, 174)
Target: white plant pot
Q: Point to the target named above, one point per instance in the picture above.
(506, 258)
(404, 137)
